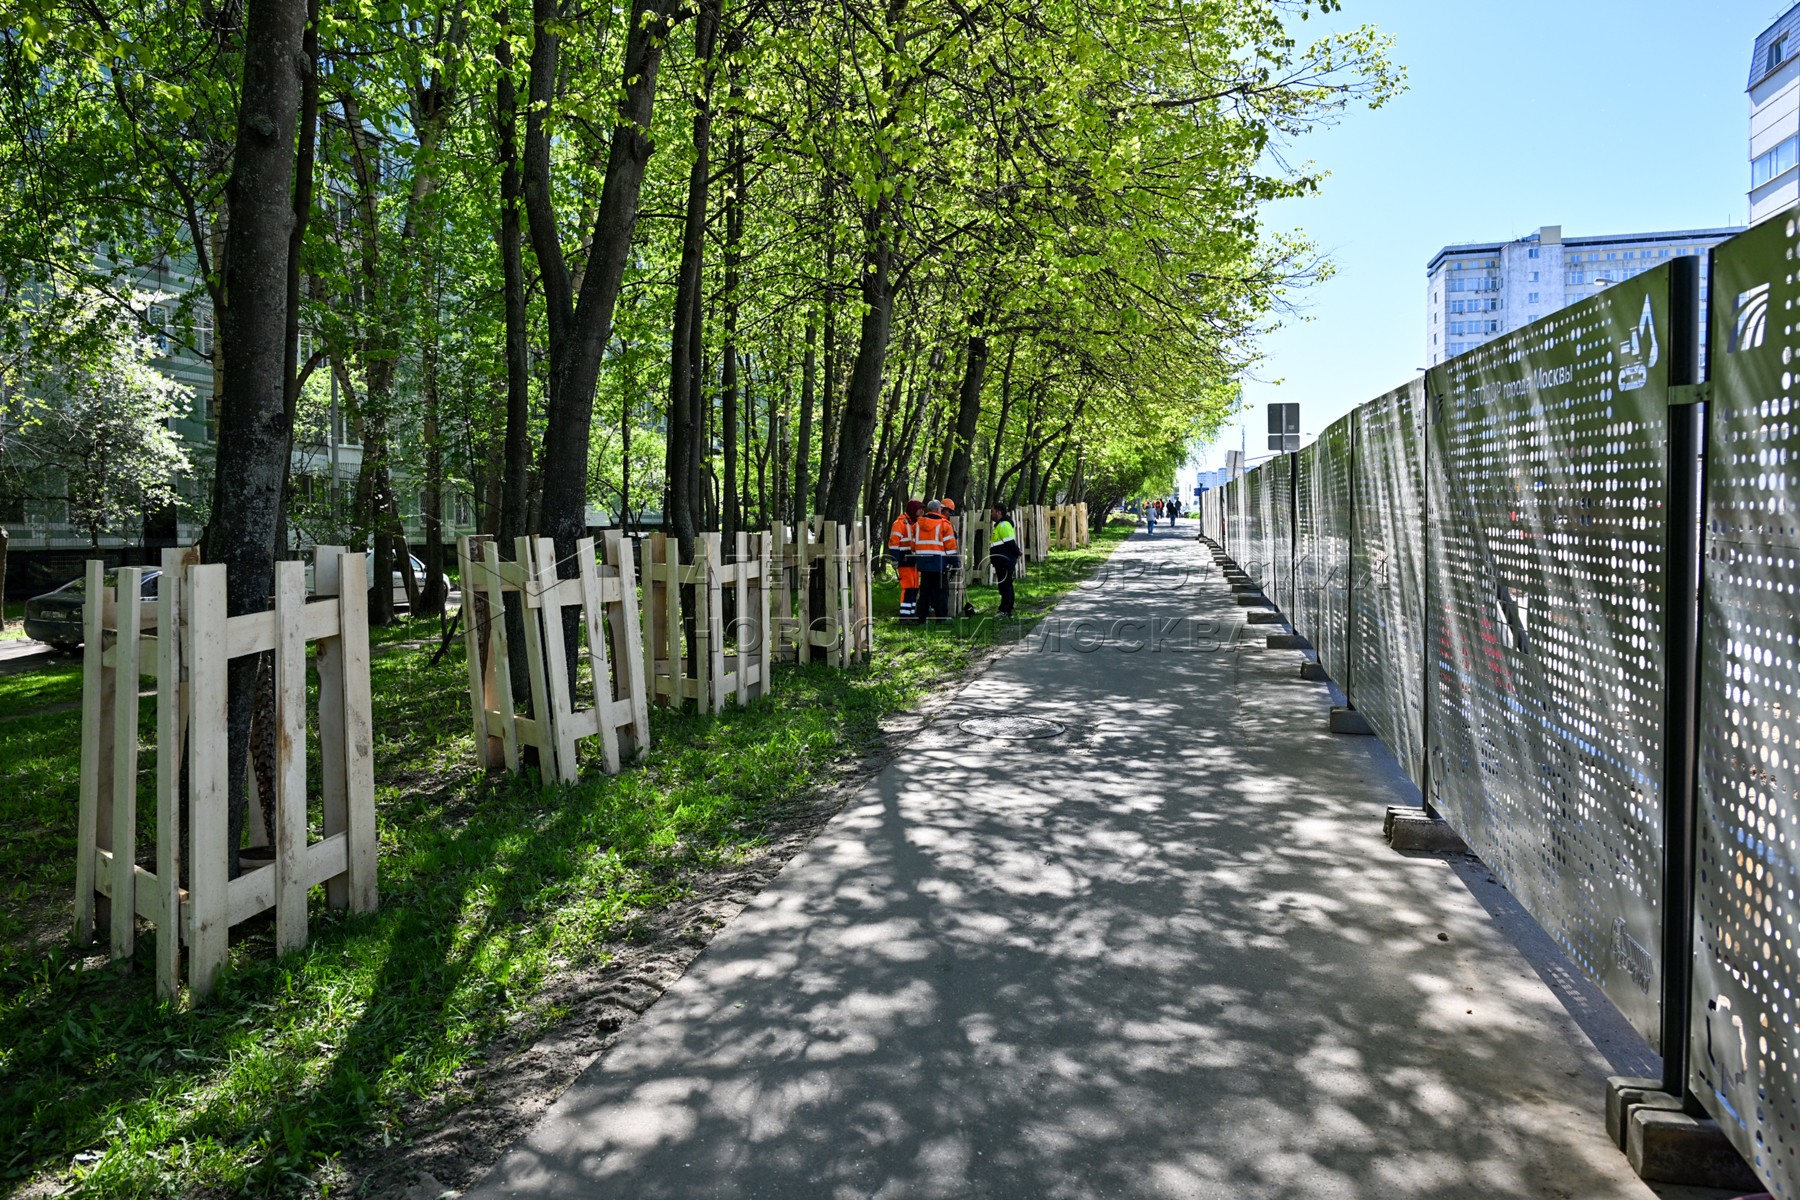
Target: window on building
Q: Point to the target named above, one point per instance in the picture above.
(1534, 277)
(464, 511)
(1612, 256)
(1777, 52)
(1531, 252)
(1531, 298)
(1776, 161)
(1576, 277)
(156, 317)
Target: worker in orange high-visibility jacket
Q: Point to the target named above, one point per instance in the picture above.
(934, 549)
(900, 552)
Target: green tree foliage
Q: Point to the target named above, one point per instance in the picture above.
(92, 431)
(1024, 240)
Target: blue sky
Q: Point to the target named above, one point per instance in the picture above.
(1601, 116)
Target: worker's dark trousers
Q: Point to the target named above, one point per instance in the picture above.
(934, 598)
(1003, 578)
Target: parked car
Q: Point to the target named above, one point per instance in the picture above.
(418, 570)
(399, 581)
(55, 616)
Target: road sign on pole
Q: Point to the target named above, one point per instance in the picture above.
(1284, 427)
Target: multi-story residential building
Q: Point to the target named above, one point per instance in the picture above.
(1478, 291)
(1207, 480)
(1775, 118)
(45, 548)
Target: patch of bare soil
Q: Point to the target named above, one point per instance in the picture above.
(456, 1135)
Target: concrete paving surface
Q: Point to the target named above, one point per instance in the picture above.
(1165, 953)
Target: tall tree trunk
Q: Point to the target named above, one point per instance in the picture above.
(778, 445)
(516, 457)
(624, 515)
(581, 326)
(686, 445)
(515, 473)
(857, 424)
(828, 393)
(909, 440)
(432, 597)
(303, 195)
(732, 501)
(809, 370)
(968, 413)
(884, 458)
(993, 463)
(377, 353)
(250, 466)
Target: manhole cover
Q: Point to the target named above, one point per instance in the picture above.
(1015, 728)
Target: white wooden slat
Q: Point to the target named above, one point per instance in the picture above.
(649, 616)
(627, 647)
(334, 788)
(550, 670)
(534, 663)
(593, 615)
(144, 886)
(765, 648)
(499, 677)
(209, 926)
(254, 633)
(96, 749)
(467, 550)
(740, 583)
(290, 756)
(670, 553)
(129, 608)
(359, 734)
(256, 891)
(171, 730)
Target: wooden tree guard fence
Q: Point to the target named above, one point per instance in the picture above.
(607, 595)
(694, 655)
(185, 640)
(1068, 527)
(840, 631)
(1033, 523)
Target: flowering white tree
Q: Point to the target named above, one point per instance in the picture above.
(97, 424)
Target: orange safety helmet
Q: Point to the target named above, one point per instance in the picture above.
(949, 504)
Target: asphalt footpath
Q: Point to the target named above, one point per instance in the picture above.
(1163, 953)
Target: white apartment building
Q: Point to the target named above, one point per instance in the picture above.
(1478, 291)
(1775, 118)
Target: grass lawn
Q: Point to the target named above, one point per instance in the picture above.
(489, 887)
(15, 622)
